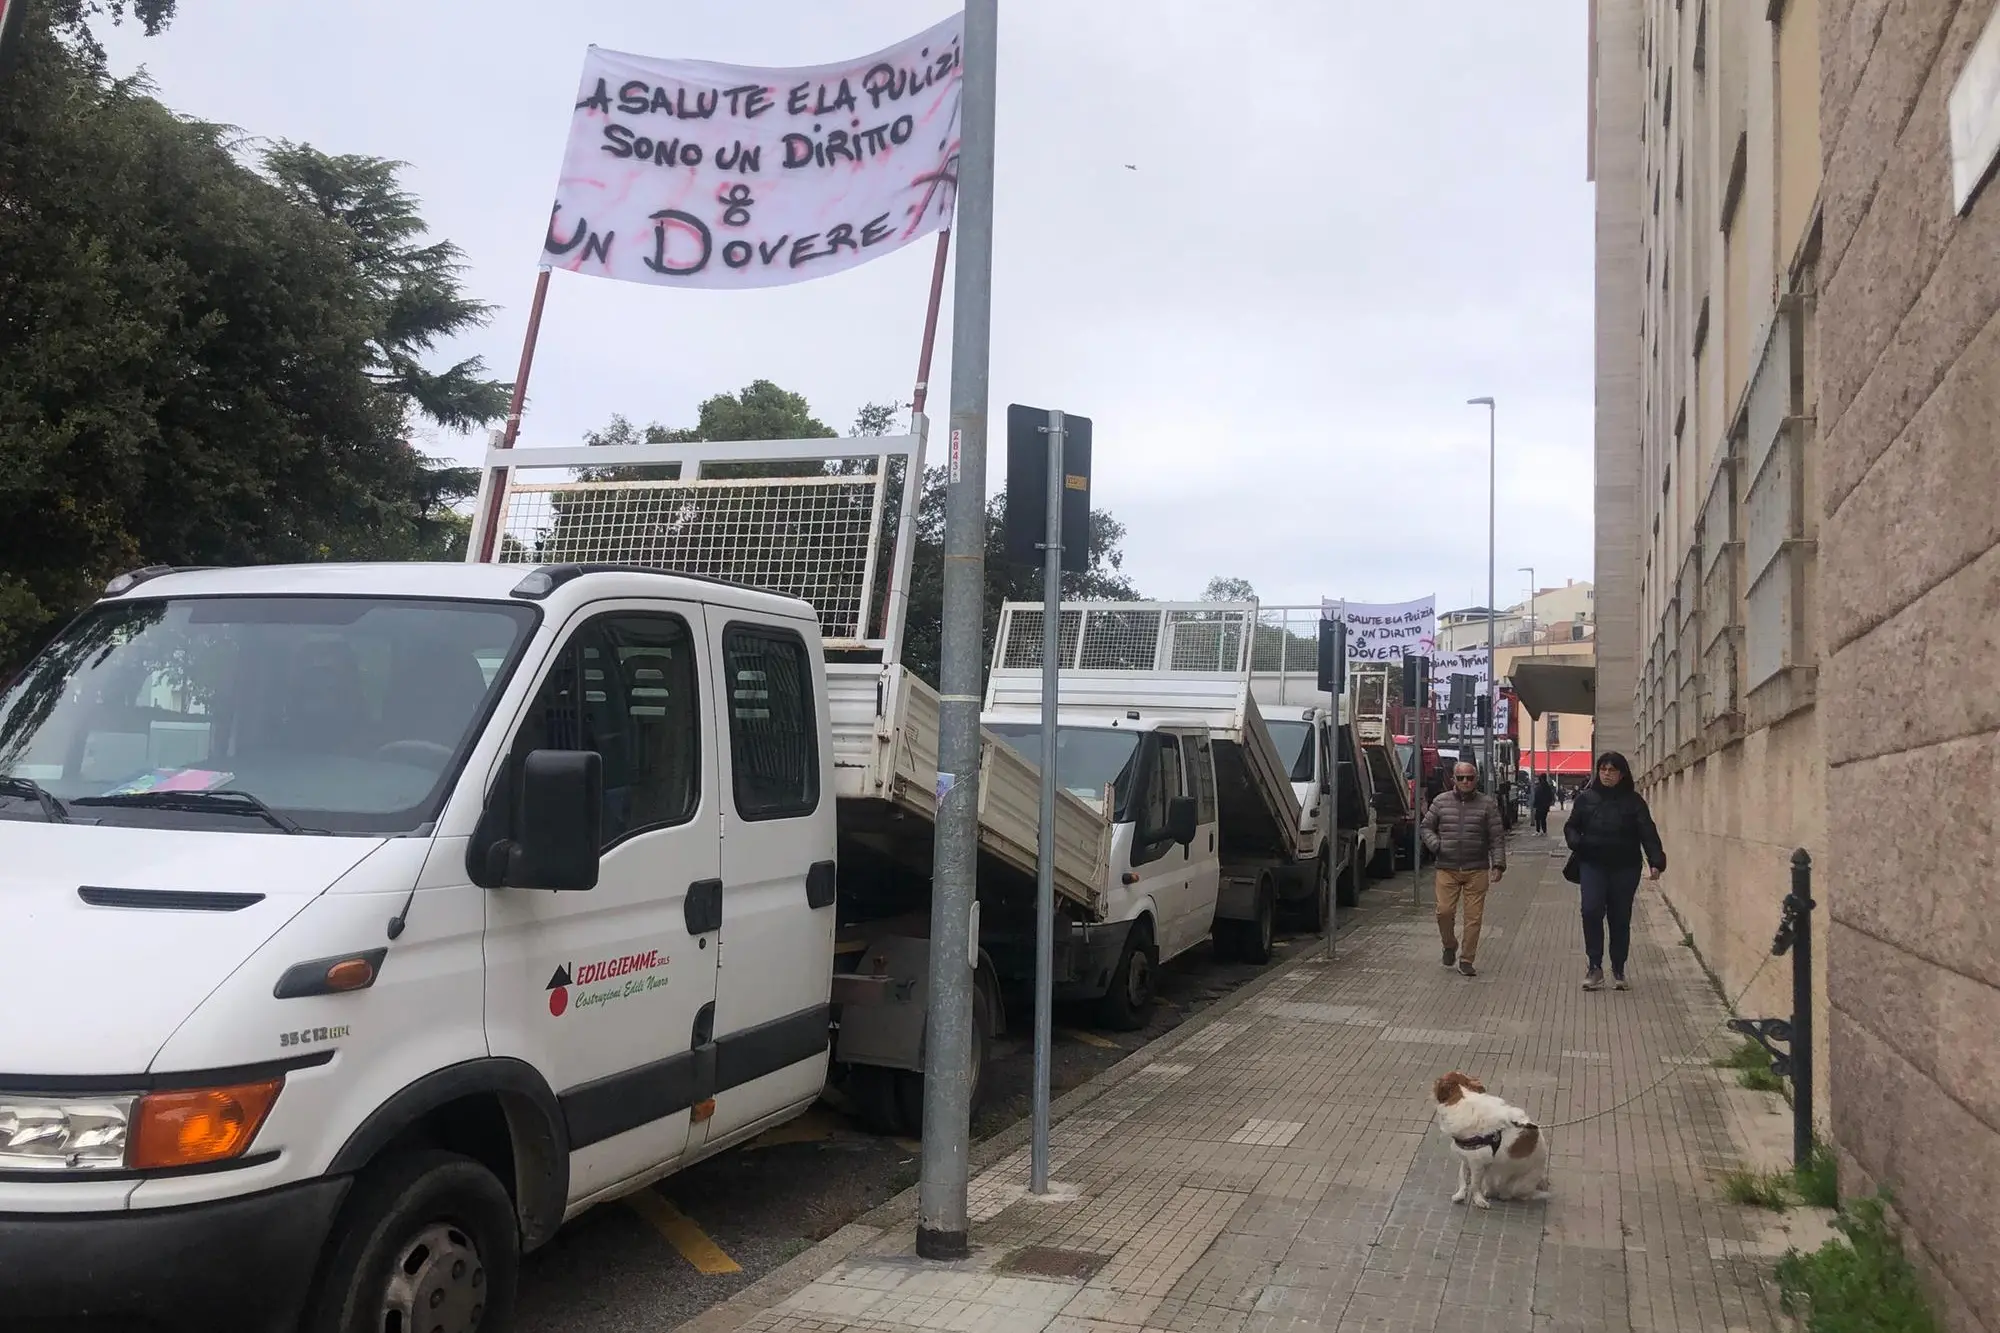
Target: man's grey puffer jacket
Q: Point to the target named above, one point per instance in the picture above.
(1465, 832)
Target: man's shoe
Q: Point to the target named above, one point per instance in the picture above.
(1450, 956)
(1594, 979)
(1466, 969)
(1618, 981)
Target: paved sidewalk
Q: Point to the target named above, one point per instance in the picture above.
(1277, 1169)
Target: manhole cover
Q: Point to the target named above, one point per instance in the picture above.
(1041, 1261)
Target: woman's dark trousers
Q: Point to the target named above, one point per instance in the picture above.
(1608, 892)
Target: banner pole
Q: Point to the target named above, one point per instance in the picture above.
(489, 527)
(931, 322)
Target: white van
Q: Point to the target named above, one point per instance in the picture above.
(366, 922)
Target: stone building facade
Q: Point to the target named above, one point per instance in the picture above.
(1799, 474)
(1909, 537)
(1709, 456)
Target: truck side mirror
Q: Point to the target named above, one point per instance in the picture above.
(557, 826)
(1182, 819)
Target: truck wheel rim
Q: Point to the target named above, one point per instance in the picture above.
(437, 1282)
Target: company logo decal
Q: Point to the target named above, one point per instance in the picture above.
(600, 983)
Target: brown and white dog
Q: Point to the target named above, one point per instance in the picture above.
(1501, 1153)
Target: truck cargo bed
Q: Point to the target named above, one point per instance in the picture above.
(885, 738)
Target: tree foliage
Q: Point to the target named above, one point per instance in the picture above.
(1222, 589)
(199, 369)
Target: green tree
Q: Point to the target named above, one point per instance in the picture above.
(188, 377)
(1221, 589)
(414, 286)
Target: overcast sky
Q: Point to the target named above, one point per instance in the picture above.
(1346, 220)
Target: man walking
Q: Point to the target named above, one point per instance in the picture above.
(1463, 830)
(1545, 796)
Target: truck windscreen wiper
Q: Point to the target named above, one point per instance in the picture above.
(30, 790)
(226, 801)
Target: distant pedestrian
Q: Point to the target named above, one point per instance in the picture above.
(1463, 830)
(1545, 796)
(1612, 837)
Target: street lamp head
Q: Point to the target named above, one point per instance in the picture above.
(1479, 402)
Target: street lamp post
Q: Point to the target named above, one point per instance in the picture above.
(1492, 677)
(1534, 650)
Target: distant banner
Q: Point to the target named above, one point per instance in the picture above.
(686, 173)
(1467, 662)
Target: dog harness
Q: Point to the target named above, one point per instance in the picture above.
(1488, 1140)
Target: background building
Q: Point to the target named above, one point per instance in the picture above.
(1798, 508)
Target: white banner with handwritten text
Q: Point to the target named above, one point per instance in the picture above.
(686, 173)
(1390, 631)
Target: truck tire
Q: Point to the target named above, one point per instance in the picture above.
(908, 1094)
(872, 1090)
(1314, 909)
(1250, 941)
(1349, 893)
(1128, 1004)
(427, 1240)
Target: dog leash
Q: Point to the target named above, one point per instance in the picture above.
(1678, 1065)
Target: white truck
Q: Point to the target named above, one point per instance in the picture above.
(1140, 667)
(1306, 739)
(367, 922)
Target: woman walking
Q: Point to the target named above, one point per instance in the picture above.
(1545, 796)
(1612, 838)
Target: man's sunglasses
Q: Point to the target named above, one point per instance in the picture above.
(1463, 777)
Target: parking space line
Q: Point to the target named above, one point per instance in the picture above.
(681, 1233)
(1091, 1039)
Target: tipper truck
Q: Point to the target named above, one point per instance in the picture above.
(1135, 666)
(422, 907)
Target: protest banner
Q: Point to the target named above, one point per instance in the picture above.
(1390, 631)
(1467, 662)
(689, 173)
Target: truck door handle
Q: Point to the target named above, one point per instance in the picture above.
(704, 906)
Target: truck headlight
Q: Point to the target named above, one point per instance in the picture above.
(150, 1131)
(63, 1133)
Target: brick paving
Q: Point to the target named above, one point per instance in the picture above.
(1277, 1168)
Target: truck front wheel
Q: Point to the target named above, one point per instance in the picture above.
(426, 1240)
(1128, 1004)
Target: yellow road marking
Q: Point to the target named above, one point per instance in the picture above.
(908, 1145)
(1091, 1039)
(681, 1233)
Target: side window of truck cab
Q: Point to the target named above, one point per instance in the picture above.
(625, 686)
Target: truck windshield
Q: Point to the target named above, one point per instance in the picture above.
(339, 714)
(1295, 746)
(1406, 756)
(1088, 759)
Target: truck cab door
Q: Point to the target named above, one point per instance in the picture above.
(1204, 883)
(610, 991)
(775, 779)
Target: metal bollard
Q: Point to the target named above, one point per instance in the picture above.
(1796, 1061)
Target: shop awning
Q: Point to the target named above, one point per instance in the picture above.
(1554, 687)
(1559, 763)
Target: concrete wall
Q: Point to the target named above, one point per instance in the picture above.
(1910, 405)
(1617, 104)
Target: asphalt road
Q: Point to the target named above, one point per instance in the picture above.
(701, 1236)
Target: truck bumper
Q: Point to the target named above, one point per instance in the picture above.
(241, 1263)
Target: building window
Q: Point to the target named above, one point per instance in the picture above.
(1554, 739)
